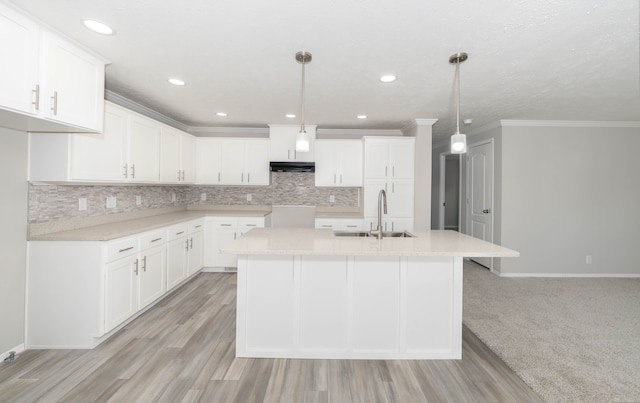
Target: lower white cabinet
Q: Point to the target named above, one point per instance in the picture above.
(79, 291)
(219, 231)
(340, 224)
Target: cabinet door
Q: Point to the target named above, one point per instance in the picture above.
(196, 252)
(73, 84)
(188, 157)
(120, 291)
(223, 237)
(350, 163)
(375, 158)
(208, 161)
(326, 163)
(232, 162)
(19, 66)
(257, 162)
(282, 143)
(101, 157)
(401, 155)
(176, 262)
(400, 198)
(151, 279)
(144, 149)
(170, 169)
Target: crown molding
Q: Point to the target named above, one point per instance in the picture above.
(215, 130)
(358, 132)
(568, 123)
(143, 110)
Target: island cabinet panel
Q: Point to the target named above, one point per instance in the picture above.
(349, 307)
(375, 299)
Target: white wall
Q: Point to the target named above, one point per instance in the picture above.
(13, 236)
(569, 192)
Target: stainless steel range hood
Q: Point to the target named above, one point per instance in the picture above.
(287, 166)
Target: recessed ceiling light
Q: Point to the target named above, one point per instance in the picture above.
(388, 78)
(221, 114)
(290, 115)
(99, 27)
(175, 81)
(362, 116)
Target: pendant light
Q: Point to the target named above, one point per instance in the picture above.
(458, 140)
(302, 139)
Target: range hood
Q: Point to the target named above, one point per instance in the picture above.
(287, 166)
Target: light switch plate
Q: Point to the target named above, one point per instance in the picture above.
(248, 197)
(332, 199)
(138, 200)
(203, 196)
(82, 204)
(111, 202)
(173, 197)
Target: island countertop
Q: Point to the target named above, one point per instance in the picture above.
(322, 242)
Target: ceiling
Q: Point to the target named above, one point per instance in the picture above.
(549, 60)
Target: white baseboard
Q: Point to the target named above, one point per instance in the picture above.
(572, 275)
(219, 269)
(17, 349)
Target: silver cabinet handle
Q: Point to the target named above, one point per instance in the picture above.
(341, 179)
(218, 176)
(225, 225)
(295, 154)
(183, 175)
(327, 226)
(191, 243)
(125, 249)
(393, 171)
(181, 232)
(133, 171)
(54, 100)
(126, 170)
(242, 177)
(386, 171)
(250, 225)
(249, 177)
(334, 179)
(393, 187)
(36, 102)
(186, 244)
(197, 226)
(136, 266)
(288, 154)
(156, 240)
(178, 175)
(144, 263)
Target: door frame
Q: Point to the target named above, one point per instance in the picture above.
(442, 191)
(467, 184)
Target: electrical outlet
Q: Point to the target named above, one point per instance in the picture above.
(248, 197)
(138, 200)
(203, 197)
(332, 199)
(111, 202)
(173, 197)
(589, 259)
(82, 204)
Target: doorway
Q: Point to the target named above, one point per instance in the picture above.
(479, 186)
(450, 190)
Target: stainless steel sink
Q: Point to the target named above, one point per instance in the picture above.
(363, 234)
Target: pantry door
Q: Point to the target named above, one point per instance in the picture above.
(480, 193)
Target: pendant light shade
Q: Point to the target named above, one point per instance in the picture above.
(458, 140)
(302, 139)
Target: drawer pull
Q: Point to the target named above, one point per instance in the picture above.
(125, 249)
(181, 232)
(198, 226)
(251, 225)
(156, 240)
(225, 225)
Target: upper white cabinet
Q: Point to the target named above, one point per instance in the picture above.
(127, 151)
(227, 161)
(338, 163)
(389, 158)
(46, 82)
(177, 156)
(282, 139)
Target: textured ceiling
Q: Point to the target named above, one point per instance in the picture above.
(557, 60)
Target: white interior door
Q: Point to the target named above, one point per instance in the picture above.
(480, 193)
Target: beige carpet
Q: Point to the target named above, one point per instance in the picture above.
(570, 339)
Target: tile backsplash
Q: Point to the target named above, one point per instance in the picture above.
(48, 202)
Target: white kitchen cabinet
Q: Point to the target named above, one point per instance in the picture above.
(177, 249)
(338, 163)
(389, 158)
(225, 161)
(220, 231)
(127, 151)
(195, 254)
(47, 83)
(399, 197)
(153, 267)
(340, 224)
(120, 291)
(282, 143)
(177, 156)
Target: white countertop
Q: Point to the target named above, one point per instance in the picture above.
(107, 232)
(322, 242)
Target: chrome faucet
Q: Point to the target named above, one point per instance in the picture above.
(382, 202)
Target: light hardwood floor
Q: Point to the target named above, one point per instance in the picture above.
(182, 350)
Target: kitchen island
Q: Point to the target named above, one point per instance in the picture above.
(306, 293)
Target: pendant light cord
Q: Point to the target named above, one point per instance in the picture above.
(302, 99)
(458, 97)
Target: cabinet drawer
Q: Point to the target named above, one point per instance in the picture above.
(177, 231)
(250, 222)
(152, 238)
(225, 223)
(195, 226)
(120, 248)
